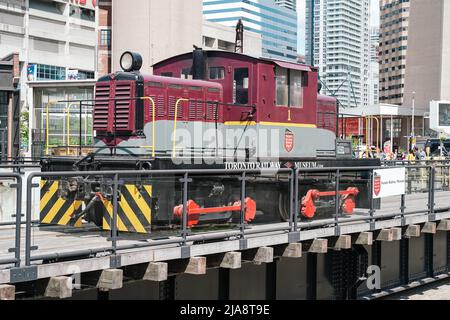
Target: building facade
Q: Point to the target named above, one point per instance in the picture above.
(288, 4)
(337, 42)
(55, 41)
(394, 23)
(414, 61)
(276, 23)
(157, 30)
(428, 59)
(374, 70)
(104, 37)
(219, 37)
(9, 107)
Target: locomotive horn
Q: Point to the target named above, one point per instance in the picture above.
(199, 58)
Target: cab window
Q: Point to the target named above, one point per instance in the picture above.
(186, 73)
(289, 87)
(295, 89)
(282, 87)
(216, 73)
(240, 86)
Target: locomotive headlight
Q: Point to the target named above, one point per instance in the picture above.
(130, 61)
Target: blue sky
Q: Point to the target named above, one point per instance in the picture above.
(374, 13)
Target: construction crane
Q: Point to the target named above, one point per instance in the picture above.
(239, 48)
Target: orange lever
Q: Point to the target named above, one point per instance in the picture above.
(194, 211)
(348, 197)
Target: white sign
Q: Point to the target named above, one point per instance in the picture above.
(389, 182)
(440, 116)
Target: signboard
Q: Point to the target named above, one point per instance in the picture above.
(440, 116)
(31, 72)
(389, 182)
(444, 114)
(351, 126)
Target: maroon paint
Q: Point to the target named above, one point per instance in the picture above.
(316, 110)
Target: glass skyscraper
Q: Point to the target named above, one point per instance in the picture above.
(277, 23)
(289, 4)
(338, 43)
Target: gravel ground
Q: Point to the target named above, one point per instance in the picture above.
(437, 291)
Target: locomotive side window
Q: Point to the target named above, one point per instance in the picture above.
(154, 84)
(216, 73)
(289, 87)
(175, 86)
(305, 80)
(295, 89)
(166, 74)
(240, 86)
(186, 73)
(282, 87)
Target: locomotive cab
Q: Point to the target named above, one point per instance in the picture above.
(267, 97)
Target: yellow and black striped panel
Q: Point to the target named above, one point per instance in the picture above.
(56, 210)
(134, 210)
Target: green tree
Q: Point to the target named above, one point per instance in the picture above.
(24, 129)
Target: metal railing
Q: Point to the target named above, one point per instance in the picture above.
(185, 177)
(18, 219)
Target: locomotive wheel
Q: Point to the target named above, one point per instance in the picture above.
(284, 207)
(95, 215)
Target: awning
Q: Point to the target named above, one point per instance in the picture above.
(293, 66)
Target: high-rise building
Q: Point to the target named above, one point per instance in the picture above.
(428, 59)
(394, 22)
(374, 69)
(277, 24)
(337, 42)
(289, 4)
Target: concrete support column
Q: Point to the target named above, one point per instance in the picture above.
(7, 292)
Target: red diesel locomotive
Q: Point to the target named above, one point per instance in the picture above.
(219, 110)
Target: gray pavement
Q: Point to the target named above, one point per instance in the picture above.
(435, 291)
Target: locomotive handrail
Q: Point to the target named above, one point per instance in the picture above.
(47, 142)
(367, 135)
(68, 124)
(153, 147)
(174, 143)
(153, 123)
